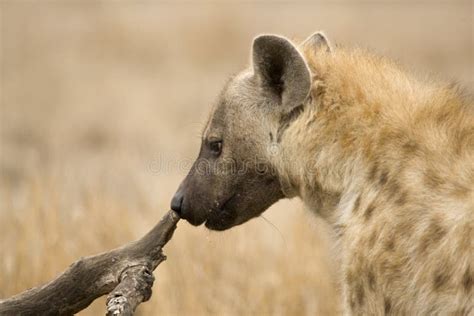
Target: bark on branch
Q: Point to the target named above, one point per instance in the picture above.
(125, 273)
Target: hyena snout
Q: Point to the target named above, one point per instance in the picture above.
(181, 204)
(202, 194)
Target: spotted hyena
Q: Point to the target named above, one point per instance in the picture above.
(385, 157)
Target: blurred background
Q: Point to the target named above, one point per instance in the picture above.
(102, 106)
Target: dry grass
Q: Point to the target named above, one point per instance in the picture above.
(101, 109)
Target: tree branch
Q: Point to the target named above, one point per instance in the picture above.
(126, 272)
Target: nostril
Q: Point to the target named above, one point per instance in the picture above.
(177, 202)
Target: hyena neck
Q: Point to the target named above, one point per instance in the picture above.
(315, 164)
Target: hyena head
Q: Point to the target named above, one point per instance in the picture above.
(234, 177)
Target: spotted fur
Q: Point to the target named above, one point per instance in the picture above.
(399, 150)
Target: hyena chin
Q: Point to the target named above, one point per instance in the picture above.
(385, 157)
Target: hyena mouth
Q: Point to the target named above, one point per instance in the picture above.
(222, 218)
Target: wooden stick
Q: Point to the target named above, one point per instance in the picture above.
(125, 273)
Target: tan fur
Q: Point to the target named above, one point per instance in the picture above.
(388, 159)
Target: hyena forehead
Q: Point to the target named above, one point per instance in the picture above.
(245, 97)
(241, 90)
(236, 105)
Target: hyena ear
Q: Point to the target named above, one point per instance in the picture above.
(281, 71)
(317, 41)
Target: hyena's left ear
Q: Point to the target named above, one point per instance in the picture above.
(281, 71)
(317, 41)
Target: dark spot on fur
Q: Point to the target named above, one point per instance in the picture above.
(443, 116)
(352, 303)
(271, 137)
(318, 92)
(402, 198)
(467, 281)
(360, 294)
(373, 172)
(463, 141)
(387, 305)
(432, 179)
(405, 227)
(390, 245)
(340, 230)
(356, 205)
(352, 297)
(393, 187)
(349, 277)
(371, 279)
(461, 312)
(439, 280)
(432, 235)
(410, 147)
(383, 178)
(368, 212)
(460, 190)
(465, 244)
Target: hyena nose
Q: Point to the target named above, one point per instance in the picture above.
(177, 202)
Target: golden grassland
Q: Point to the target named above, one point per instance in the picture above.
(102, 104)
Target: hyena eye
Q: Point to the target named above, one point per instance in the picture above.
(216, 147)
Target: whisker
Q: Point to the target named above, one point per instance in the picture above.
(276, 228)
